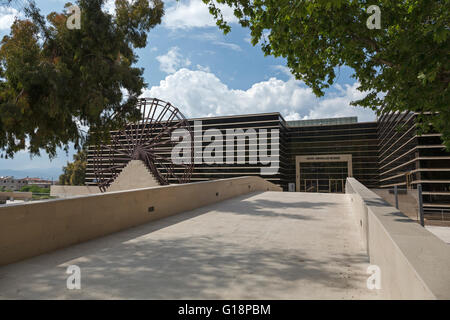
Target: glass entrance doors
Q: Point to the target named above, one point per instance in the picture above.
(324, 186)
(323, 177)
(311, 185)
(337, 186)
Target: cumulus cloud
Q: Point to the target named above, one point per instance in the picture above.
(7, 16)
(202, 94)
(172, 61)
(193, 14)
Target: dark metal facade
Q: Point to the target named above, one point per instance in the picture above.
(407, 159)
(356, 139)
(384, 154)
(267, 122)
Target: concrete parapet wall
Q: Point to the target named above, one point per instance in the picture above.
(135, 175)
(414, 263)
(28, 230)
(16, 195)
(407, 202)
(72, 191)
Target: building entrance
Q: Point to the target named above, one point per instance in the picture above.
(324, 174)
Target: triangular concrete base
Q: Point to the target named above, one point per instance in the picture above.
(135, 175)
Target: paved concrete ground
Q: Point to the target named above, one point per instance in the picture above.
(12, 202)
(442, 233)
(260, 246)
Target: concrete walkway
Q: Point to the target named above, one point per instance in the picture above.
(260, 246)
(442, 233)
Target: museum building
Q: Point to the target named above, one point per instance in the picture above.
(318, 155)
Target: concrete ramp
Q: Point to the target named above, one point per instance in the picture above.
(264, 245)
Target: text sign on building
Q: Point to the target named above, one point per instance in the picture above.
(319, 158)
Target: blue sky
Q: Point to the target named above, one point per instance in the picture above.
(190, 63)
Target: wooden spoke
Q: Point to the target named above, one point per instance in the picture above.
(139, 141)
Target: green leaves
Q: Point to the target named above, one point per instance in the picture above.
(403, 66)
(74, 172)
(57, 83)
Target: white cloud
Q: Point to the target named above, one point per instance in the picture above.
(7, 16)
(172, 61)
(193, 14)
(203, 68)
(283, 69)
(201, 94)
(110, 6)
(214, 39)
(228, 45)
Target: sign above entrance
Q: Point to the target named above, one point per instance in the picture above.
(326, 158)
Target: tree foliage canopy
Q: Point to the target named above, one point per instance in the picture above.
(75, 172)
(55, 81)
(404, 66)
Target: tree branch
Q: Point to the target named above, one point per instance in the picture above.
(19, 95)
(374, 46)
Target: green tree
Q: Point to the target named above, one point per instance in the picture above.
(404, 66)
(75, 172)
(34, 189)
(54, 81)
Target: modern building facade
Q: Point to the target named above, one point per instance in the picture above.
(318, 155)
(407, 159)
(322, 154)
